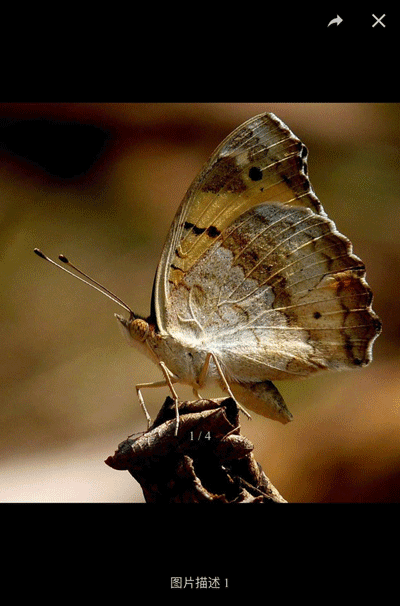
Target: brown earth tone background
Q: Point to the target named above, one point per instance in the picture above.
(100, 183)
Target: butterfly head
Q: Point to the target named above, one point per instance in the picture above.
(135, 329)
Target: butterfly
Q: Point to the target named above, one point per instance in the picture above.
(255, 284)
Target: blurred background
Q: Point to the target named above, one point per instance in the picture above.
(100, 183)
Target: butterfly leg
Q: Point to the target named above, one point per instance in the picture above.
(166, 382)
(169, 379)
(223, 378)
(139, 388)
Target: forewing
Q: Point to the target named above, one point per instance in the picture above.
(261, 161)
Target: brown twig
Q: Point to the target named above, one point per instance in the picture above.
(208, 461)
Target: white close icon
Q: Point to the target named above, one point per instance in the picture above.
(378, 20)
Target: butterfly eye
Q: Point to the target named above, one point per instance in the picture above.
(139, 329)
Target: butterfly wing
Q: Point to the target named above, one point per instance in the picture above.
(253, 269)
(259, 162)
(278, 295)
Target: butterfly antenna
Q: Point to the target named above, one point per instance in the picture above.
(90, 281)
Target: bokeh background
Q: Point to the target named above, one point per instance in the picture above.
(100, 183)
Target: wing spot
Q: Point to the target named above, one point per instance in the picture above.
(213, 231)
(196, 230)
(255, 173)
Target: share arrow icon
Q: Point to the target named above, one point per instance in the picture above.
(336, 21)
